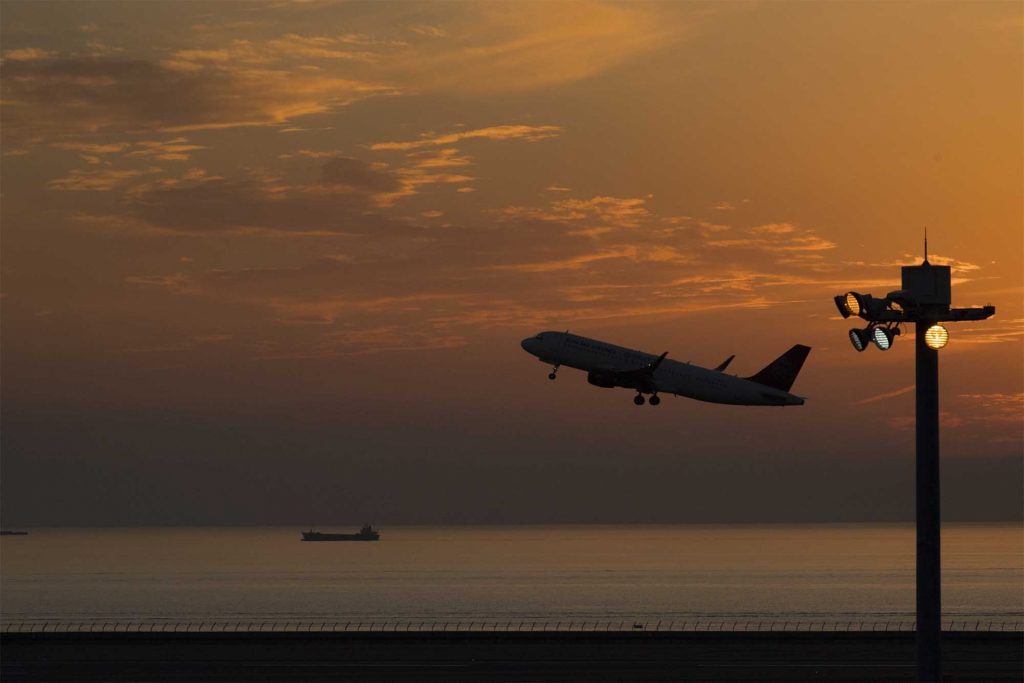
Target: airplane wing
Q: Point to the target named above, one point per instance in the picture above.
(640, 378)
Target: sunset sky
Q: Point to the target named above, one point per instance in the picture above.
(270, 262)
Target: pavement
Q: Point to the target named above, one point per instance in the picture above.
(502, 657)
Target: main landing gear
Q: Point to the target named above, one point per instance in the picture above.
(554, 372)
(639, 399)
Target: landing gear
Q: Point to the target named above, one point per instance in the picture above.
(655, 400)
(639, 399)
(554, 372)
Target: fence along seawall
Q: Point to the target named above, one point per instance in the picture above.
(500, 626)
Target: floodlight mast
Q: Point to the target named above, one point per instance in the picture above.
(924, 300)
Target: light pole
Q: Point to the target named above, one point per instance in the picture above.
(925, 301)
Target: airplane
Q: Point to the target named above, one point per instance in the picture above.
(609, 366)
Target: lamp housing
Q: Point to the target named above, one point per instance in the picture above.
(860, 338)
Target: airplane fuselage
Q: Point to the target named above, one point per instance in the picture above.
(608, 366)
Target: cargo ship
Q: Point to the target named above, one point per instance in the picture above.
(367, 533)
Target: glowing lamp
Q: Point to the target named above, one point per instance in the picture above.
(853, 303)
(883, 336)
(849, 304)
(860, 338)
(936, 337)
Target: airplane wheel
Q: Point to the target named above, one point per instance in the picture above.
(655, 400)
(638, 399)
(552, 375)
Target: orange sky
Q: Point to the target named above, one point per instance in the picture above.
(337, 221)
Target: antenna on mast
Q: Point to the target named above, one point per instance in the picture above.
(926, 247)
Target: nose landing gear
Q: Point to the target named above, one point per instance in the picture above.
(554, 372)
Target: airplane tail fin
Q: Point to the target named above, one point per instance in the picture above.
(782, 372)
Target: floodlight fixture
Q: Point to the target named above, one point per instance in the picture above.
(883, 336)
(851, 303)
(936, 336)
(860, 338)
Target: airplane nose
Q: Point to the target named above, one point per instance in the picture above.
(529, 344)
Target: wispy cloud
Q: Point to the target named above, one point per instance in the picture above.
(620, 211)
(886, 395)
(61, 95)
(503, 132)
(27, 54)
(101, 180)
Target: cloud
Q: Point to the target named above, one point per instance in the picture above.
(247, 204)
(992, 332)
(441, 158)
(773, 229)
(424, 169)
(27, 54)
(577, 259)
(358, 175)
(630, 253)
(998, 407)
(430, 31)
(992, 417)
(97, 49)
(291, 48)
(318, 47)
(516, 47)
(388, 184)
(504, 132)
(49, 96)
(339, 200)
(178, 149)
(102, 180)
(178, 282)
(110, 148)
(784, 239)
(274, 80)
(413, 179)
(620, 211)
(886, 395)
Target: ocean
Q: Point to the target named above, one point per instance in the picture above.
(538, 574)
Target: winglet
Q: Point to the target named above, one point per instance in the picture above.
(725, 363)
(654, 366)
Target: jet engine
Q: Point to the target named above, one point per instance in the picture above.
(601, 379)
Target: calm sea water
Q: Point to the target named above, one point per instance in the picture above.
(574, 573)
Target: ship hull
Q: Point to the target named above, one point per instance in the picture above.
(338, 537)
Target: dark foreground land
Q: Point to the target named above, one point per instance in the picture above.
(500, 657)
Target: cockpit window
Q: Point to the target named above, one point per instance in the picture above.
(540, 337)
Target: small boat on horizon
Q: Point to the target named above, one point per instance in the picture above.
(367, 533)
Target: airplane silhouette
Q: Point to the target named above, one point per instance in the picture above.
(609, 366)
